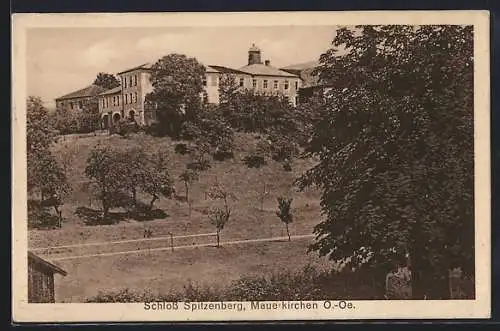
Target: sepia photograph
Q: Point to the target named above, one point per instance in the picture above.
(251, 166)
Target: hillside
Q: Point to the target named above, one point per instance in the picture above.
(248, 220)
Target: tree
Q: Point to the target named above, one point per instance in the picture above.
(285, 213)
(177, 87)
(394, 139)
(45, 175)
(107, 81)
(188, 176)
(39, 133)
(132, 164)
(102, 168)
(220, 216)
(157, 181)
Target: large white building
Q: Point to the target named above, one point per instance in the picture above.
(128, 100)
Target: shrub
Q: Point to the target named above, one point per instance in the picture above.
(281, 147)
(287, 166)
(124, 127)
(181, 149)
(41, 218)
(254, 160)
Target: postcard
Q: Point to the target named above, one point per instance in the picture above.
(262, 166)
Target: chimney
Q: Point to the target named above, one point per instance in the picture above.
(267, 62)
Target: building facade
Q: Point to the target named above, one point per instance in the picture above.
(128, 100)
(80, 99)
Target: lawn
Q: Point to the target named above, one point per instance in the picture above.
(161, 272)
(164, 270)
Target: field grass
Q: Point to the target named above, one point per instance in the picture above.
(165, 270)
(161, 272)
(247, 221)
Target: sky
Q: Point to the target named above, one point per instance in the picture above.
(62, 60)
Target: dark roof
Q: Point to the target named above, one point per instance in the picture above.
(38, 260)
(260, 69)
(144, 66)
(302, 66)
(88, 91)
(225, 70)
(112, 91)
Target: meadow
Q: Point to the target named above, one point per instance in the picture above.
(164, 270)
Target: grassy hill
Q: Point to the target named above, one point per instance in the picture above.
(163, 270)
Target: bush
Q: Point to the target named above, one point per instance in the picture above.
(254, 160)
(124, 127)
(201, 164)
(181, 149)
(41, 218)
(282, 148)
(287, 166)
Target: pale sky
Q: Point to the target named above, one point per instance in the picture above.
(62, 60)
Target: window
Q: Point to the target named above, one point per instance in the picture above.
(126, 98)
(131, 100)
(275, 85)
(103, 105)
(286, 85)
(130, 81)
(297, 85)
(125, 82)
(254, 83)
(136, 97)
(215, 80)
(71, 105)
(114, 101)
(135, 80)
(204, 81)
(265, 83)
(242, 81)
(107, 102)
(80, 104)
(118, 100)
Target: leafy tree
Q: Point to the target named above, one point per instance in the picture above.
(227, 88)
(39, 133)
(45, 175)
(157, 181)
(394, 139)
(177, 86)
(285, 213)
(189, 176)
(132, 164)
(107, 81)
(220, 216)
(102, 168)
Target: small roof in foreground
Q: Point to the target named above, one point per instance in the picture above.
(36, 259)
(88, 91)
(114, 90)
(263, 70)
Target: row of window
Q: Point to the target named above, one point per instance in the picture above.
(72, 105)
(129, 98)
(132, 81)
(265, 83)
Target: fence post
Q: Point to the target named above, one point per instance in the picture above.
(171, 240)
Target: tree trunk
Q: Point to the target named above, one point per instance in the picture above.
(218, 239)
(134, 197)
(288, 232)
(187, 190)
(151, 203)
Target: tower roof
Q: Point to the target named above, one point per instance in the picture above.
(254, 48)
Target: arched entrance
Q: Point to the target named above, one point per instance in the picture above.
(116, 117)
(105, 122)
(131, 115)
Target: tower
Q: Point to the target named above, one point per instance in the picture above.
(254, 55)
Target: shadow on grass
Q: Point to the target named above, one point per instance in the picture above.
(95, 217)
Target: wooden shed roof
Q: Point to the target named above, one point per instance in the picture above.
(38, 260)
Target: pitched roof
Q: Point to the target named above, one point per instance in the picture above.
(221, 69)
(302, 66)
(260, 69)
(144, 66)
(36, 259)
(88, 91)
(112, 91)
